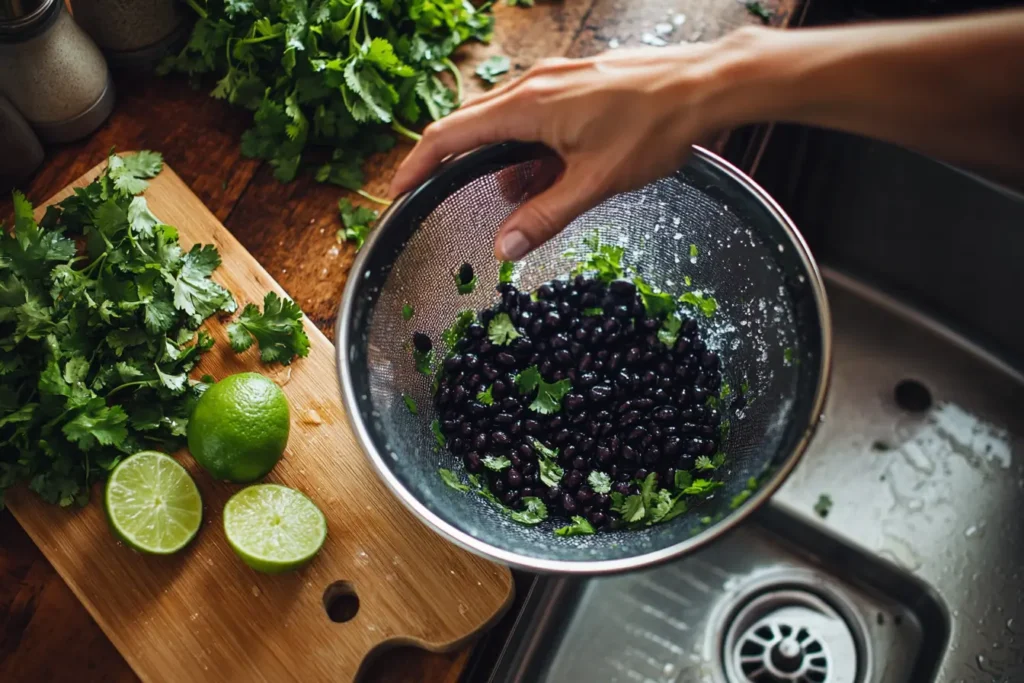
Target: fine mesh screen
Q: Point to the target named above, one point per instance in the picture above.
(767, 328)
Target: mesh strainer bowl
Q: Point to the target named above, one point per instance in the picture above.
(772, 332)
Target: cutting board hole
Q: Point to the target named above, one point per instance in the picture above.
(341, 602)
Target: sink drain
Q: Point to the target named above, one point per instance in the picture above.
(788, 632)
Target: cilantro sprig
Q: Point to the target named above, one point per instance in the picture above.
(97, 343)
(277, 330)
(332, 75)
(549, 394)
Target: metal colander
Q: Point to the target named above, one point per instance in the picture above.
(771, 330)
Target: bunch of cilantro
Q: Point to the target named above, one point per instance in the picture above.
(100, 310)
(338, 74)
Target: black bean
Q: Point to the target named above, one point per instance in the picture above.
(480, 441)
(498, 485)
(629, 453)
(531, 426)
(505, 358)
(641, 474)
(527, 492)
(636, 433)
(693, 446)
(604, 454)
(500, 438)
(573, 402)
(599, 393)
(514, 478)
(422, 342)
(554, 493)
(573, 480)
(561, 437)
(621, 487)
(510, 498)
(666, 413)
(473, 462)
(629, 418)
(568, 503)
(466, 429)
(563, 356)
(552, 320)
(584, 495)
(510, 404)
(555, 422)
(622, 288)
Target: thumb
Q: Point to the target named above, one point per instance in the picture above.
(544, 216)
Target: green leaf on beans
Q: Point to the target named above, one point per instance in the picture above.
(705, 303)
(451, 480)
(501, 331)
(505, 271)
(579, 527)
(657, 304)
(600, 482)
(550, 472)
(497, 463)
(668, 334)
(486, 397)
(534, 511)
(457, 330)
(549, 396)
(435, 427)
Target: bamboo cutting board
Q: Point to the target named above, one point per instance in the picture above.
(202, 615)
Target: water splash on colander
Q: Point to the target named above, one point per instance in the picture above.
(771, 331)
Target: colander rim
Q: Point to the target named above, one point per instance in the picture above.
(524, 151)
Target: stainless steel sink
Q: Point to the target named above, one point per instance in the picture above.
(914, 575)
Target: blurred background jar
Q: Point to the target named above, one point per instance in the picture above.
(51, 71)
(133, 34)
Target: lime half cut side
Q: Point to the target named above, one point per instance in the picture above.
(152, 503)
(274, 528)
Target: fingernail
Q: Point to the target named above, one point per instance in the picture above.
(514, 245)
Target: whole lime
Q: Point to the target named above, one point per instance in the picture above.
(239, 427)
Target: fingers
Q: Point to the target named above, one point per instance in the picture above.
(544, 216)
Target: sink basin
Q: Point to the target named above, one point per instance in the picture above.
(913, 575)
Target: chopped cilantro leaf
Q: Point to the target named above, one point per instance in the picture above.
(600, 482)
(550, 472)
(465, 287)
(486, 397)
(703, 462)
(493, 68)
(668, 334)
(579, 527)
(756, 8)
(687, 280)
(449, 478)
(705, 303)
(501, 331)
(357, 222)
(505, 271)
(693, 251)
(407, 312)
(423, 360)
(605, 260)
(657, 304)
(410, 403)
(277, 330)
(435, 427)
(633, 509)
(549, 396)
(740, 498)
(593, 310)
(824, 505)
(528, 379)
(457, 330)
(497, 463)
(725, 391)
(701, 487)
(789, 356)
(683, 479)
(534, 511)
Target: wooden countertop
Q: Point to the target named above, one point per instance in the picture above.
(45, 634)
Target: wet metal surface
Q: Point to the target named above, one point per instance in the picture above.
(923, 538)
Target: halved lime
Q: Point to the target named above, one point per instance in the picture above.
(152, 503)
(274, 528)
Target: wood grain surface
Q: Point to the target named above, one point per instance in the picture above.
(45, 633)
(198, 614)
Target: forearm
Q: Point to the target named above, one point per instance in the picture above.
(953, 89)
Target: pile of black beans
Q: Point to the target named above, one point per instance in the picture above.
(636, 405)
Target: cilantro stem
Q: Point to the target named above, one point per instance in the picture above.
(129, 384)
(399, 128)
(373, 198)
(457, 75)
(198, 10)
(353, 42)
(250, 41)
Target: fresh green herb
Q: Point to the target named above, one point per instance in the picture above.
(759, 10)
(501, 331)
(410, 403)
(705, 303)
(824, 505)
(330, 75)
(678, 508)
(712, 401)
(486, 397)
(457, 330)
(579, 527)
(600, 482)
(96, 347)
(423, 360)
(741, 497)
(632, 509)
(657, 304)
(604, 259)
(693, 251)
(481, 489)
(668, 333)
(744, 388)
(534, 511)
(723, 429)
(687, 280)
(549, 394)
(506, 271)
(449, 478)
(407, 312)
(465, 287)
(702, 487)
(497, 463)
(356, 221)
(789, 356)
(435, 427)
(683, 480)
(593, 310)
(550, 472)
(706, 521)
(527, 380)
(493, 68)
(519, 3)
(703, 462)
(277, 330)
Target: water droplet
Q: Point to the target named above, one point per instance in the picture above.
(971, 531)
(256, 591)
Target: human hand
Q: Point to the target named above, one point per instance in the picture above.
(616, 122)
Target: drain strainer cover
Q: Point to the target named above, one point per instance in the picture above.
(790, 636)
